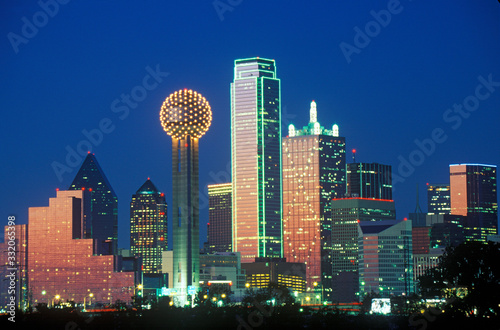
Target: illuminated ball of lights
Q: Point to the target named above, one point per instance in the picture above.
(185, 112)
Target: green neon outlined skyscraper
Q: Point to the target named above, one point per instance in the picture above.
(256, 159)
(185, 116)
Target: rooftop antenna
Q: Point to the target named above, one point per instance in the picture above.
(353, 155)
(417, 207)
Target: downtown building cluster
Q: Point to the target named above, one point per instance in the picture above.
(295, 213)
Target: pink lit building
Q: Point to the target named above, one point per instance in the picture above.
(62, 265)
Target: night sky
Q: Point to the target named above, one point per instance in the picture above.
(387, 72)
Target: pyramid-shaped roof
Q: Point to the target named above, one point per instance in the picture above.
(147, 188)
(92, 176)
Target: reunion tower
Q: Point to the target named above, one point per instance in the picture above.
(185, 116)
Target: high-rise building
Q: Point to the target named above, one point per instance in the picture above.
(369, 180)
(473, 191)
(256, 159)
(438, 199)
(385, 258)
(313, 175)
(186, 116)
(63, 265)
(220, 225)
(347, 214)
(148, 226)
(102, 222)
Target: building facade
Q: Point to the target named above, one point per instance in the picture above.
(473, 191)
(102, 222)
(63, 265)
(438, 199)
(263, 271)
(385, 258)
(220, 224)
(347, 214)
(369, 180)
(256, 159)
(149, 227)
(313, 174)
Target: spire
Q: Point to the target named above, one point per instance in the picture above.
(417, 207)
(313, 113)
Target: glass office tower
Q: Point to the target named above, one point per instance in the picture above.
(313, 175)
(438, 199)
(148, 226)
(102, 222)
(220, 229)
(369, 180)
(64, 266)
(256, 159)
(473, 191)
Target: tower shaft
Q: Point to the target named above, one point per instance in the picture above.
(185, 210)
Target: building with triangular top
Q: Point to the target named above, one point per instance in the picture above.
(148, 226)
(102, 222)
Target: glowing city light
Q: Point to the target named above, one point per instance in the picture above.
(184, 113)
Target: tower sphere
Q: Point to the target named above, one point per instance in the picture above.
(185, 112)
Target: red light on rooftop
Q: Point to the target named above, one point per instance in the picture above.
(162, 194)
(354, 150)
(83, 188)
(88, 152)
(57, 189)
(90, 189)
(427, 183)
(405, 219)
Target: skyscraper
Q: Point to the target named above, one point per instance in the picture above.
(347, 214)
(63, 265)
(385, 258)
(185, 116)
(313, 174)
(256, 159)
(220, 226)
(148, 226)
(369, 180)
(102, 222)
(438, 199)
(473, 191)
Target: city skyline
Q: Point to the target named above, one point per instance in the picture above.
(376, 96)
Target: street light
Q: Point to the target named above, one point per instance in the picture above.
(57, 297)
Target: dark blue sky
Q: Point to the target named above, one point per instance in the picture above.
(65, 72)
